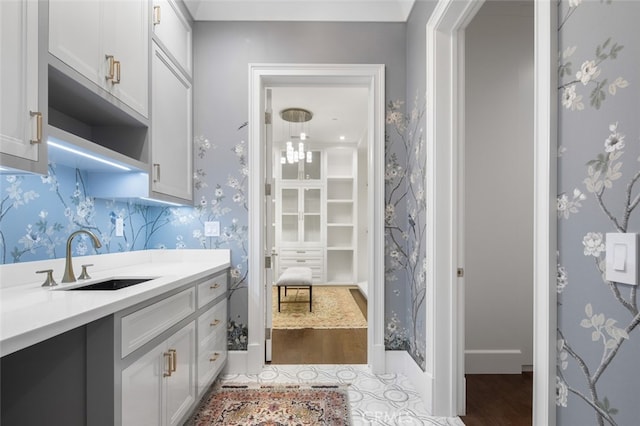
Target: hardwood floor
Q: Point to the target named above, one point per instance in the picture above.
(499, 399)
(322, 346)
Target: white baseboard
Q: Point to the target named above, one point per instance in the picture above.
(493, 361)
(236, 362)
(400, 362)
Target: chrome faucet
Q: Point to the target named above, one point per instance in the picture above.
(69, 276)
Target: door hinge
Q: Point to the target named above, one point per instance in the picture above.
(267, 118)
(460, 272)
(267, 189)
(267, 262)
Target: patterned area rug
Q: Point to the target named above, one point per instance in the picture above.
(273, 405)
(333, 307)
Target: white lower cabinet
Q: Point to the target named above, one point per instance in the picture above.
(160, 387)
(169, 351)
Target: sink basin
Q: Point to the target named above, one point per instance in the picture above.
(112, 284)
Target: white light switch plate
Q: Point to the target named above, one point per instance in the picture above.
(622, 258)
(119, 227)
(212, 229)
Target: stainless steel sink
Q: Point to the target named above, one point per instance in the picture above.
(110, 284)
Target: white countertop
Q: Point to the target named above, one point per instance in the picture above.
(30, 313)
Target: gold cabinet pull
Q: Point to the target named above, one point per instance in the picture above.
(215, 322)
(214, 286)
(156, 15)
(156, 168)
(116, 65)
(215, 357)
(38, 116)
(169, 370)
(111, 67)
(174, 360)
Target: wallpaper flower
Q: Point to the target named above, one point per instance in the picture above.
(599, 169)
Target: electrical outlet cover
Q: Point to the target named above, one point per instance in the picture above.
(212, 229)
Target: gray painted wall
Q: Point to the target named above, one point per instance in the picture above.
(599, 104)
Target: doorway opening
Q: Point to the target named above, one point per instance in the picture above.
(497, 211)
(264, 80)
(318, 208)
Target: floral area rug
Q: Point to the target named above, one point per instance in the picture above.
(273, 405)
(333, 307)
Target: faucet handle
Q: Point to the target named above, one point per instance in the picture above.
(84, 275)
(49, 282)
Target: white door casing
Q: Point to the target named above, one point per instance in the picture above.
(445, 141)
(364, 75)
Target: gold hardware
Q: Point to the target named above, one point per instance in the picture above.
(170, 355)
(301, 261)
(156, 15)
(214, 286)
(214, 323)
(215, 357)
(49, 281)
(116, 64)
(111, 67)
(460, 272)
(38, 116)
(156, 167)
(174, 360)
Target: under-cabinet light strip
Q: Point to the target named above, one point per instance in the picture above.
(89, 156)
(161, 202)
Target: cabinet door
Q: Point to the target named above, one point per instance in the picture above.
(171, 145)
(126, 37)
(19, 85)
(142, 384)
(180, 387)
(173, 30)
(74, 36)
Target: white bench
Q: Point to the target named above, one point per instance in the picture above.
(296, 277)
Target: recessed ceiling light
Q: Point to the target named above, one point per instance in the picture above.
(342, 138)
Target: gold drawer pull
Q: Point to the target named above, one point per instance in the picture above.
(215, 322)
(111, 60)
(215, 357)
(116, 64)
(174, 360)
(156, 15)
(38, 116)
(214, 286)
(170, 365)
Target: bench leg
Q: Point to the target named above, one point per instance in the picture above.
(279, 298)
(310, 298)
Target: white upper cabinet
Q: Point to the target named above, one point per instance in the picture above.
(21, 119)
(107, 42)
(173, 30)
(171, 129)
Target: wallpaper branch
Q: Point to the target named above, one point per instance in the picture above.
(594, 367)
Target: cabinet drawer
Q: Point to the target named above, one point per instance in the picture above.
(308, 262)
(211, 358)
(298, 253)
(141, 326)
(212, 288)
(212, 323)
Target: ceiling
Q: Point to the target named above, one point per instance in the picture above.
(337, 111)
(301, 10)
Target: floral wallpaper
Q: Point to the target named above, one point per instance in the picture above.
(598, 172)
(404, 241)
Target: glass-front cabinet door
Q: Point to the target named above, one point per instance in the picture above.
(299, 211)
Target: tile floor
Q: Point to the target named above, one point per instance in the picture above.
(387, 399)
